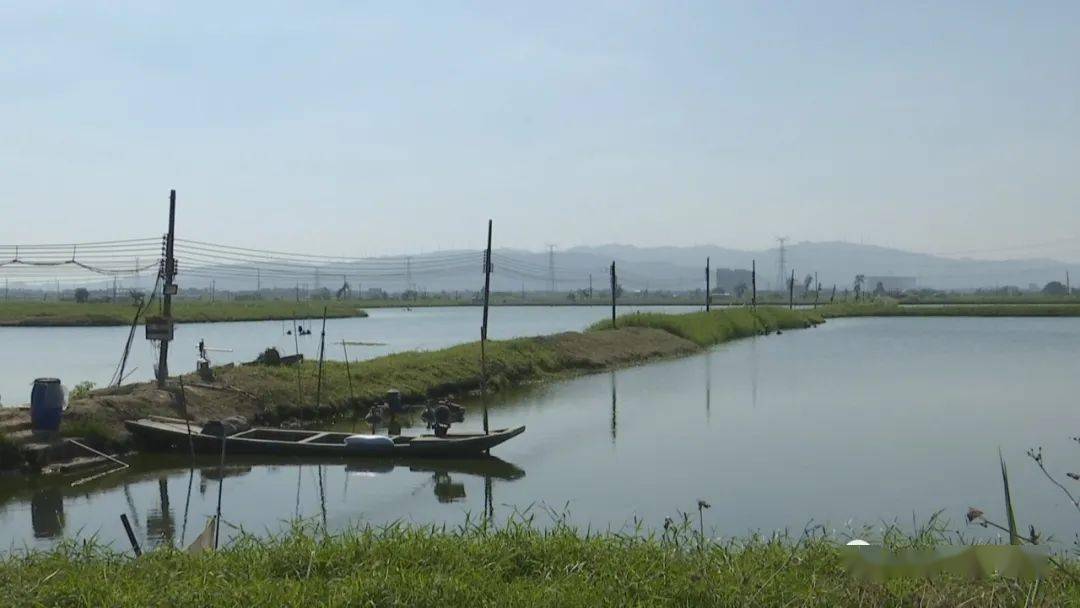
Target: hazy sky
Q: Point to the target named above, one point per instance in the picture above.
(363, 128)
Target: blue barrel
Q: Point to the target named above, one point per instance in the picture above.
(46, 404)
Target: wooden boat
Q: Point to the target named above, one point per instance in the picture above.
(173, 435)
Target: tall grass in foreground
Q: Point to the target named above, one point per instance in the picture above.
(717, 326)
(516, 564)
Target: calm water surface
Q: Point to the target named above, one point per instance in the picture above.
(856, 422)
(75, 354)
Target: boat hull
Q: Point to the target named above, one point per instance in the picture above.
(161, 435)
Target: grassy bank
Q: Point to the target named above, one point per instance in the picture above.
(717, 326)
(952, 310)
(516, 565)
(62, 314)
(271, 394)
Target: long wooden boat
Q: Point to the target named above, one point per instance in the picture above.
(170, 435)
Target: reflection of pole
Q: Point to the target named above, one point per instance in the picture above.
(221, 484)
(187, 503)
(708, 384)
(322, 498)
(489, 498)
(484, 328)
(614, 410)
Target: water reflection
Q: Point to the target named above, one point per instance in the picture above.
(47, 512)
(160, 526)
(148, 493)
(708, 385)
(614, 408)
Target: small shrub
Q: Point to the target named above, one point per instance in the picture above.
(82, 390)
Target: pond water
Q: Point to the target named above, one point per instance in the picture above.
(76, 354)
(856, 422)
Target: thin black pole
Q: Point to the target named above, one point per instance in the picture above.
(791, 291)
(220, 487)
(753, 284)
(707, 285)
(187, 420)
(130, 534)
(484, 328)
(166, 294)
(322, 347)
(299, 382)
(348, 373)
(614, 285)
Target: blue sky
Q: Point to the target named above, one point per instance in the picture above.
(365, 128)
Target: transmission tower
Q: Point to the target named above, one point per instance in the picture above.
(781, 275)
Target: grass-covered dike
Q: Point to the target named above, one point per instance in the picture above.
(72, 314)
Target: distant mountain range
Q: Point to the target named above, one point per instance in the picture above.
(653, 268)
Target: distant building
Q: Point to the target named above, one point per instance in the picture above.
(891, 284)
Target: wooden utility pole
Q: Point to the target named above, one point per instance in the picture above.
(833, 296)
(484, 328)
(753, 284)
(791, 290)
(707, 285)
(614, 286)
(167, 291)
(817, 292)
(322, 347)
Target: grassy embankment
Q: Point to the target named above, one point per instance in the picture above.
(514, 565)
(891, 309)
(62, 314)
(270, 394)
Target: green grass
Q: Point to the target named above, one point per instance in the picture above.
(717, 326)
(513, 565)
(889, 309)
(184, 311)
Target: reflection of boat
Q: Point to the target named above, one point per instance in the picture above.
(484, 467)
(157, 434)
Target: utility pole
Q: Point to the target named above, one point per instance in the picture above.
(298, 292)
(213, 290)
(258, 283)
(614, 285)
(791, 291)
(484, 328)
(167, 291)
(551, 266)
(817, 292)
(753, 284)
(590, 285)
(781, 275)
(708, 276)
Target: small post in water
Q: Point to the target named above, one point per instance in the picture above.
(614, 286)
(484, 328)
(130, 535)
